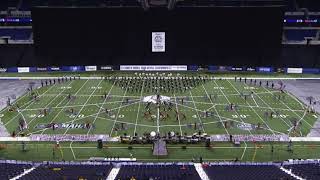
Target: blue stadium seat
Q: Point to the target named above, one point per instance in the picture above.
(299, 34)
(8, 171)
(16, 34)
(158, 172)
(53, 172)
(245, 172)
(306, 171)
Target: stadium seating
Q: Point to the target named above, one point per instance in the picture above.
(300, 34)
(158, 172)
(53, 172)
(8, 171)
(291, 5)
(245, 172)
(16, 34)
(306, 171)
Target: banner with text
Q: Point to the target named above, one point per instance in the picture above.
(158, 41)
(153, 68)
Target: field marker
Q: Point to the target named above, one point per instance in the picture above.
(216, 110)
(230, 103)
(83, 106)
(255, 153)
(301, 117)
(100, 108)
(135, 126)
(27, 105)
(197, 112)
(270, 107)
(118, 111)
(257, 113)
(175, 100)
(49, 103)
(62, 108)
(74, 156)
(244, 151)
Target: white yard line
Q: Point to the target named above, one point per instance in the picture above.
(50, 102)
(158, 119)
(301, 117)
(175, 100)
(253, 100)
(269, 107)
(244, 151)
(71, 106)
(63, 108)
(216, 110)
(257, 114)
(84, 105)
(114, 124)
(230, 103)
(28, 105)
(100, 108)
(197, 112)
(135, 126)
(74, 156)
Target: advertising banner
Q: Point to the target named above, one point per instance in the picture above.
(237, 69)
(91, 68)
(153, 68)
(294, 70)
(42, 69)
(73, 68)
(54, 68)
(265, 69)
(23, 69)
(158, 41)
(310, 71)
(2, 70)
(105, 68)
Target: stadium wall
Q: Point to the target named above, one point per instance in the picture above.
(291, 56)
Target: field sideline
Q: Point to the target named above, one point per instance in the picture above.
(248, 152)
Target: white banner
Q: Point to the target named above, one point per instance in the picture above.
(294, 70)
(91, 68)
(153, 68)
(23, 69)
(158, 41)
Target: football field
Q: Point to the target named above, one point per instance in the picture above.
(214, 106)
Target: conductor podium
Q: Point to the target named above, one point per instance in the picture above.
(160, 148)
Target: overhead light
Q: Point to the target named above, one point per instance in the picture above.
(171, 4)
(145, 4)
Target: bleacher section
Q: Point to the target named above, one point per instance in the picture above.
(8, 171)
(245, 172)
(292, 169)
(53, 172)
(305, 171)
(168, 171)
(300, 34)
(16, 34)
(291, 5)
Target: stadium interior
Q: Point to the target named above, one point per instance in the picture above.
(160, 89)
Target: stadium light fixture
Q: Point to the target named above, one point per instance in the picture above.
(171, 4)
